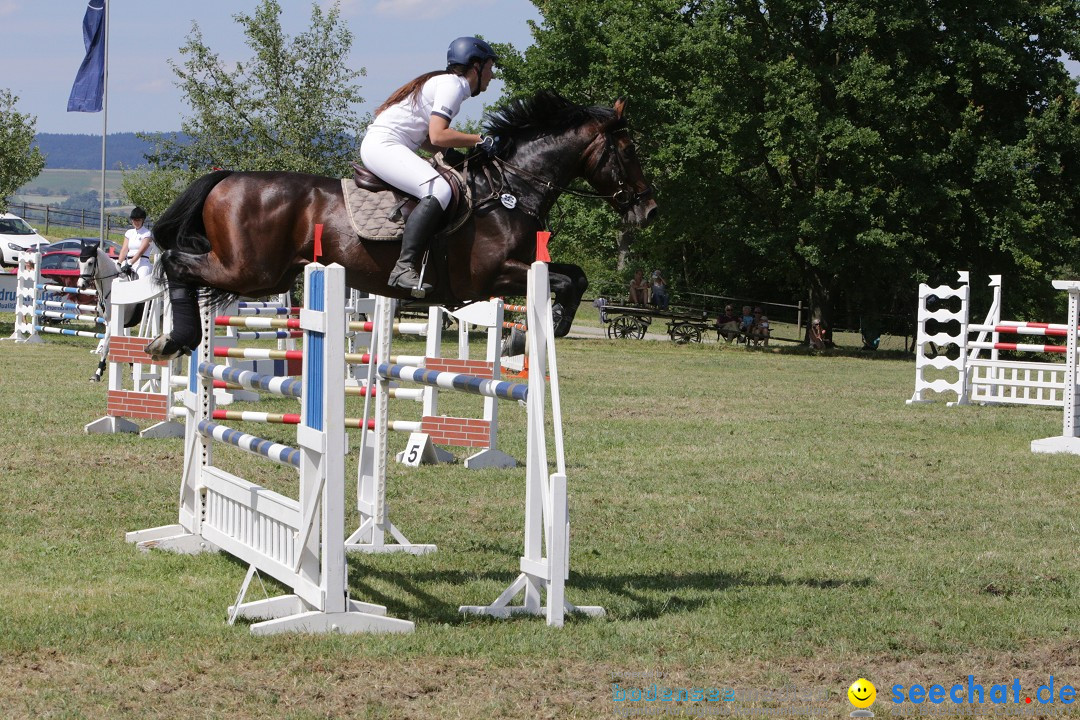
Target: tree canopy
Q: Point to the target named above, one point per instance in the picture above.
(842, 150)
(290, 106)
(20, 159)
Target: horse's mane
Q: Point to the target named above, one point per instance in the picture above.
(546, 112)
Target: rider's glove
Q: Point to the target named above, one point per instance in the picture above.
(489, 145)
(125, 268)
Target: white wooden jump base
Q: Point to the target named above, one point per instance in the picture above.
(980, 379)
(299, 542)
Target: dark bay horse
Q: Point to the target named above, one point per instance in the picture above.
(252, 233)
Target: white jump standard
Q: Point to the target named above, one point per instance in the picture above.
(299, 542)
(545, 564)
(1069, 440)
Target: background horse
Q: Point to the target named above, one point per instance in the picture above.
(252, 233)
(99, 270)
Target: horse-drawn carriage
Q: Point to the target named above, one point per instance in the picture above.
(684, 325)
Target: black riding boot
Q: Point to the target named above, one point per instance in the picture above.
(419, 228)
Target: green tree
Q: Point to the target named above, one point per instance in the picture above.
(290, 106)
(845, 149)
(20, 159)
(154, 189)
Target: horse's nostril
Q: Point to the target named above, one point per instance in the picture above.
(651, 214)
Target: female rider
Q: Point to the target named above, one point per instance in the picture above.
(417, 115)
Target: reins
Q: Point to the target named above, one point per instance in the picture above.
(623, 197)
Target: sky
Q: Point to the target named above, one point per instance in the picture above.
(395, 40)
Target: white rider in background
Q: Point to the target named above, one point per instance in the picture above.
(417, 115)
(135, 252)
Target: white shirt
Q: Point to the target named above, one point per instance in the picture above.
(134, 239)
(407, 120)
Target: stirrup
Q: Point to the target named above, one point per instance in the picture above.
(408, 279)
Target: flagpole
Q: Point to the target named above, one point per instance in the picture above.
(104, 124)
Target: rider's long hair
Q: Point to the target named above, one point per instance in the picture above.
(413, 87)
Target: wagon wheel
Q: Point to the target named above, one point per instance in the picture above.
(624, 326)
(683, 333)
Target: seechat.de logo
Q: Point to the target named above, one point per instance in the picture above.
(862, 694)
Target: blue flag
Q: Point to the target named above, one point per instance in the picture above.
(89, 87)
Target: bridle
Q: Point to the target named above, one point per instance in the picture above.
(88, 276)
(624, 196)
(104, 294)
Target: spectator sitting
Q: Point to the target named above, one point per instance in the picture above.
(817, 339)
(639, 289)
(760, 330)
(659, 291)
(727, 325)
(746, 322)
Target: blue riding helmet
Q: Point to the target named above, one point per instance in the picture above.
(465, 50)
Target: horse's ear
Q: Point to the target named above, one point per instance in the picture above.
(620, 107)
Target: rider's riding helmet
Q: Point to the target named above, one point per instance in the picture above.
(137, 213)
(465, 50)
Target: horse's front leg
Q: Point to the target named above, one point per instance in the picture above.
(569, 284)
(512, 279)
(567, 281)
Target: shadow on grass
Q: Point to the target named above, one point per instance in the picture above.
(844, 352)
(648, 596)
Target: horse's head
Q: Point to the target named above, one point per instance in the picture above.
(93, 264)
(548, 141)
(613, 169)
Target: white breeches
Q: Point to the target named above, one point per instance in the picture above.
(396, 164)
(142, 268)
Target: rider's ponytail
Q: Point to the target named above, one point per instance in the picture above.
(414, 86)
(411, 88)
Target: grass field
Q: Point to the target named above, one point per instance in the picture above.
(64, 182)
(750, 520)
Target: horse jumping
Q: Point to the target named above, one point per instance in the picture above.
(252, 233)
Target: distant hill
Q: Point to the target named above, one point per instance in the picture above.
(83, 152)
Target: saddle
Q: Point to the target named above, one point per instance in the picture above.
(378, 211)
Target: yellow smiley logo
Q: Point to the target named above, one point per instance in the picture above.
(862, 693)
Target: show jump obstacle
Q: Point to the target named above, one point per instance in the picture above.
(145, 394)
(301, 542)
(981, 376)
(38, 303)
(993, 380)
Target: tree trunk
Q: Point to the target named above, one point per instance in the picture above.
(821, 300)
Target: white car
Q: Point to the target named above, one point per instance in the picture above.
(16, 235)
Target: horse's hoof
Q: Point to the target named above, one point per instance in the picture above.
(162, 348)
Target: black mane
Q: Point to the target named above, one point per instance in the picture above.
(546, 112)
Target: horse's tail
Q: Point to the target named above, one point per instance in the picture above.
(181, 229)
(181, 226)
